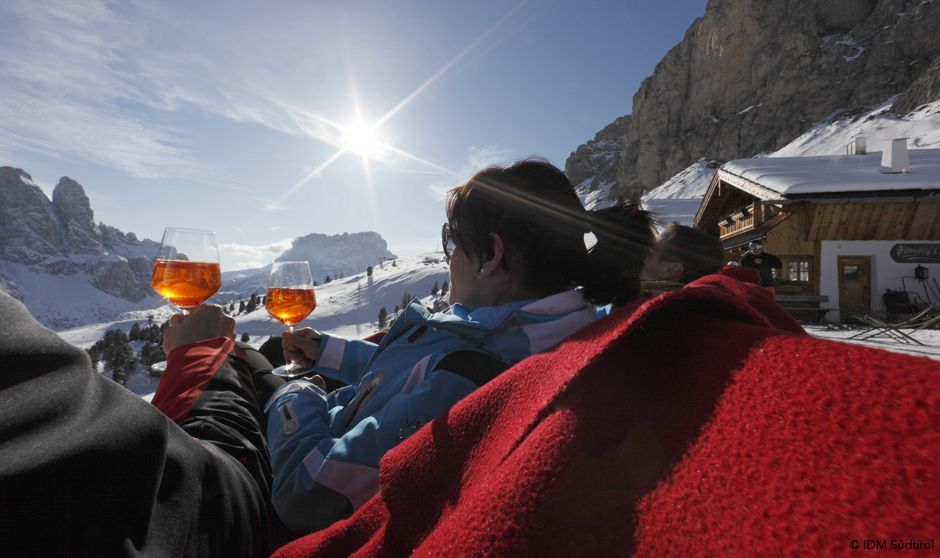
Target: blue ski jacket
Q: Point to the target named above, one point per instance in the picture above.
(325, 448)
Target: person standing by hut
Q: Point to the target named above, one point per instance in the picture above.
(763, 262)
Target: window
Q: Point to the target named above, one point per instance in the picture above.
(797, 271)
(850, 272)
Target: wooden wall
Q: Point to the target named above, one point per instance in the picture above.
(802, 231)
(789, 239)
(790, 236)
(873, 221)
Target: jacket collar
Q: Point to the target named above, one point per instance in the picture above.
(559, 303)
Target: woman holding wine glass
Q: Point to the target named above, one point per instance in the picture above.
(515, 243)
(522, 280)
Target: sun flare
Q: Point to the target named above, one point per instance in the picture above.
(360, 138)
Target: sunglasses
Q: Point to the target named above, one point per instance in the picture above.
(447, 242)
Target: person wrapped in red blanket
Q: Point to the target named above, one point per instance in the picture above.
(701, 422)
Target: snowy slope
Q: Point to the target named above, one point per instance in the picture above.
(69, 300)
(347, 307)
(678, 198)
(350, 306)
(830, 137)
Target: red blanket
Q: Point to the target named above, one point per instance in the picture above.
(703, 422)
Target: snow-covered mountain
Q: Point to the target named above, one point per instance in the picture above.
(678, 198)
(329, 256)
(67, 269)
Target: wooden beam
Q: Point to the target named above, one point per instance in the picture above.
(711, 193)
(753, 188)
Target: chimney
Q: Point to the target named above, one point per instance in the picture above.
(894, 157)
(860, 148)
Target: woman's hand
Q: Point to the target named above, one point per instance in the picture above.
(302, 346)
(204, 322)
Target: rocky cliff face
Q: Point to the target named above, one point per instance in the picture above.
(29, 228)
(750, 75)
(593, 166)
(76, 220)
(59, 237)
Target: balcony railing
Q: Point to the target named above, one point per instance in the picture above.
(741, 221)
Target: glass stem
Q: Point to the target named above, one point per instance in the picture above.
(293, 363)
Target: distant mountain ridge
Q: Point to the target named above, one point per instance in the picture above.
(750, 76)
(329, 256)
(70, 271)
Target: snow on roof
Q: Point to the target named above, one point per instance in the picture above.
(838, 173)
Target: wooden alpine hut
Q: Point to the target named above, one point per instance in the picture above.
(847, 228)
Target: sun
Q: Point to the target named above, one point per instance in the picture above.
(360, 138)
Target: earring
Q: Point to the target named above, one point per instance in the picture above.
(482, 270)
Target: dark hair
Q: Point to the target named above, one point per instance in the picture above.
(628, 235)
(699, 252)
(535, 210)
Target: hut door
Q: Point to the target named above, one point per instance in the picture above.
(854, 285)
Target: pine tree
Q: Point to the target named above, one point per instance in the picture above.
(117, 355)
(94, 355)
(434, 289)
(241, 306)
(245, 337)
(154, 334)
(328, 279)
(151, 353)
(369, 271)
(134, 334)
(444, 288)
(383, 317)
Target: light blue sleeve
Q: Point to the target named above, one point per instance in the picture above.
(320, 478)
(343, 359)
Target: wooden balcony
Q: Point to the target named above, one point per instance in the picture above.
(741, 221)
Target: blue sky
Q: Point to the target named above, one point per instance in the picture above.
(240, 117)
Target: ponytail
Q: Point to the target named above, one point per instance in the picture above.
(624, 235)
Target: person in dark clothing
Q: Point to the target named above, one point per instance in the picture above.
(763, 262)
(88, 468)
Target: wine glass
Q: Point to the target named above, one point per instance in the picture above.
(290, 299)
(186, 271)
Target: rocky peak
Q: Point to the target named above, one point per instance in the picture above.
(593, 166)
(29, 228)
(76, 218)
